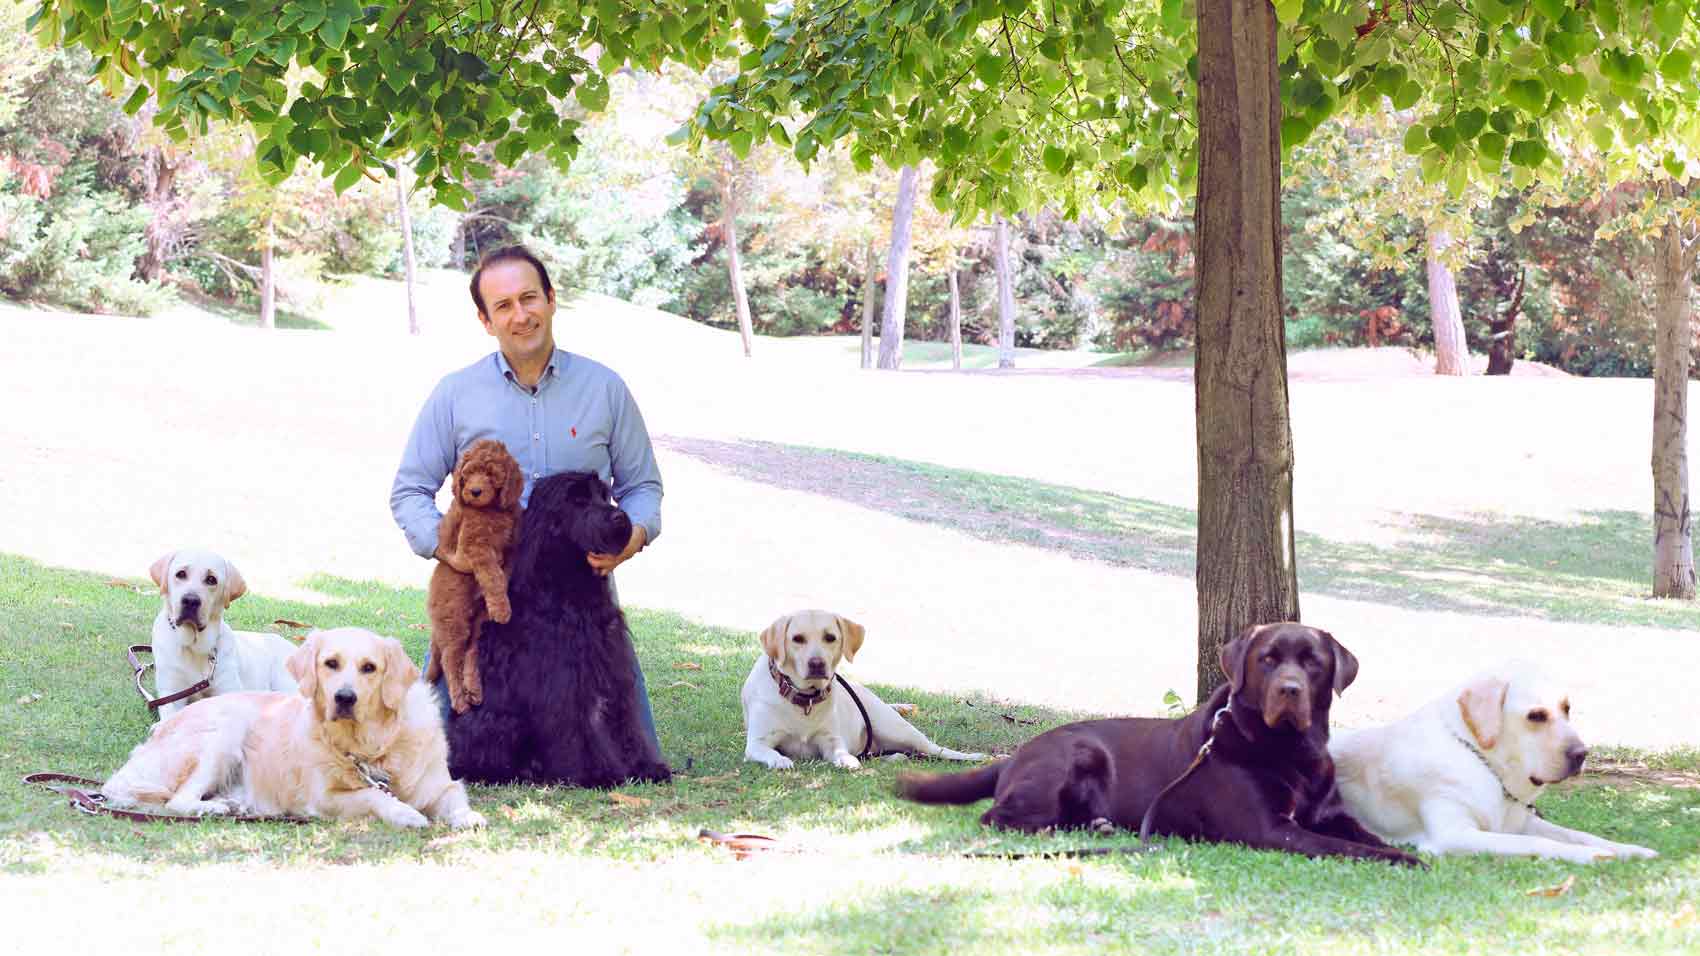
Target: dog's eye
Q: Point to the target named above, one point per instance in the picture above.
(368, 667)
(332, 664)
(1538, 716)
(1269, 661)
(796, 638)
(831, 637)
(182, 574)
(210, 581)
(1565, 706)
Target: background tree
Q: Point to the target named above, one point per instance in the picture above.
(896, 304)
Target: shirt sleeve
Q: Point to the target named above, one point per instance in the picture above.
(637, 478)
(426, 461)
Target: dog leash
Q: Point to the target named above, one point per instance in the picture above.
(94, 803)
(868, 747)
(154, 703)
(1145, 845)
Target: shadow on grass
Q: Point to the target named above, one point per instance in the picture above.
(1589, 571)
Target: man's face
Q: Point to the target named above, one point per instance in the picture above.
(517, 311)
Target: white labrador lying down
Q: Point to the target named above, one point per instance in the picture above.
(362, 717)
(1461, 775)
(793, 711)
(191, 640)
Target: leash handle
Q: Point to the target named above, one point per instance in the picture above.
(155, 703)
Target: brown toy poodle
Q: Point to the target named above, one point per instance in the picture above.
(470, 581)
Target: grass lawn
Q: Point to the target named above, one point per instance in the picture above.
(626, 873)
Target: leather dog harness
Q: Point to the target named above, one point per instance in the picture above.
(154, 703)
(808, 699)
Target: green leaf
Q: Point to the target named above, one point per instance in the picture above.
(1677, 66)
(1469, 123)
(1294, 130)
(592, 94)
(136, 100)
(1572, 88)
(334, 31)
(1668, 18)
(1552, 9)
(1287, 11)
(988, 67)
(1416, 140)
(349, 176)
(1408, 95)
(1528, 153)
(1056, 159)
(1530, 96)
(1444, 136)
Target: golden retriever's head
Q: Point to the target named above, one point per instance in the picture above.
(197, 586)
(807, 645)
(1521, 720)
(351, 674)
(488, 477)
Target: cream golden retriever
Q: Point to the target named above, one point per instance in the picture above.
(793, 710)
(1461, 775)
(362, 738)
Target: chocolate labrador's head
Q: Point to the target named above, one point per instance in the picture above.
(1286, 672)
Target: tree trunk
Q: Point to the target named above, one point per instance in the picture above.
(159, 177)
(1246, 569)
(955, 321)
(407, 259)
(1673, 548)
(897, 272)
(1006, 296)
(1451, 354)
(457, 252)
(268, 283)
(1504, 329)
(734, 266)
(870, 303)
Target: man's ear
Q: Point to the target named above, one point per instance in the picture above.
(399, 674)
(1345, 663)
(1482, 705)
(234, 585)
(1233, 655)
(853, 634)
(773, 639)
(159, 569)
(303, 665)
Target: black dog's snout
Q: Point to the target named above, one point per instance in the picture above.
(345, 698)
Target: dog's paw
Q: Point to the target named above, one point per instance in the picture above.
(500, 613)
(780, 762)
(1629, 851)
(398, 814)
(846, 762)
(467, 818)
(460, 702)
(1103, 825)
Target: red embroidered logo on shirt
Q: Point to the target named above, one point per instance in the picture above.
(574, 431)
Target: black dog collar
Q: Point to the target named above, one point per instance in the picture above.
(801, 698)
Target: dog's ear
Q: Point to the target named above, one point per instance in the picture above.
(1482, 705)
(399, 674)
(853, 634)
(773, 639)
(303, 665)
(234, 585)
(1345, 663)
(159, 569)
(513, 486)
(1233, 655)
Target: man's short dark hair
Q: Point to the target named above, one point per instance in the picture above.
(515, 253)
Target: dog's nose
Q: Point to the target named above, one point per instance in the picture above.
(817, 667)
(191, 602)
(476, 492)
(345, 697)
(1289, 688)
(1576, 755)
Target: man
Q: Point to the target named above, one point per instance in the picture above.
(554, 411)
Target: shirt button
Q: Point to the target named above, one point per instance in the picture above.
(536, 474)
(534, 401)
(536, 436)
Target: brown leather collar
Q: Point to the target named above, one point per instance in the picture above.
(154, 703)
(801, 698)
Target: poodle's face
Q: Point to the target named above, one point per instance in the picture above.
(488, 477)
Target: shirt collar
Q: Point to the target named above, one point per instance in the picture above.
(557, 361)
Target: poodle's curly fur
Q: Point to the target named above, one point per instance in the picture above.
(470, 582)
(561, 698)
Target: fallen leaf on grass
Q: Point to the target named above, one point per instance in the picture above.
(627, 800)
(286, 622)
(118, 583)
(907, 710)
(1557, 890)
(445, 842)
(419, 627)
(688, 666)
(743, 845)
(683, 683)
(1017, 720)
(28, 699)
(508, 812)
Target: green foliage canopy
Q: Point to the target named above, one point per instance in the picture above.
(1018, 103)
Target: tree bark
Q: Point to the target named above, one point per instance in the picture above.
(1451, 353)
(159, 177)
(1246, 569)
(734, 266)
(1673, 548)
(897, 272)
(407, 259)
(870, 304)
(1006, 296)
(955, 321)
(1503, 329)
(268, 283)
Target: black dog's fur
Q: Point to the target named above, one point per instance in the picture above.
(560, 679)
(1268, 781)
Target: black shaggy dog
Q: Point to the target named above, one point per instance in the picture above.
(560, 678)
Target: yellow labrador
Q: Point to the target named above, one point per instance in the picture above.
(1461, 775)
(362, 738)
(191, 641)
(793, 709)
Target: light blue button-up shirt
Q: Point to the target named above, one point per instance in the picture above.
(580, 417)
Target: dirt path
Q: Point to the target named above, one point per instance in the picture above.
(126, 438)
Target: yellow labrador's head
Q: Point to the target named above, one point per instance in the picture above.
(807, 645)
(1521, 720)
(349, 673)
(197, 586)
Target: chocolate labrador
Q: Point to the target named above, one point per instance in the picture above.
(1266, 782)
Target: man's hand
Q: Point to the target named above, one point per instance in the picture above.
(604, 563)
